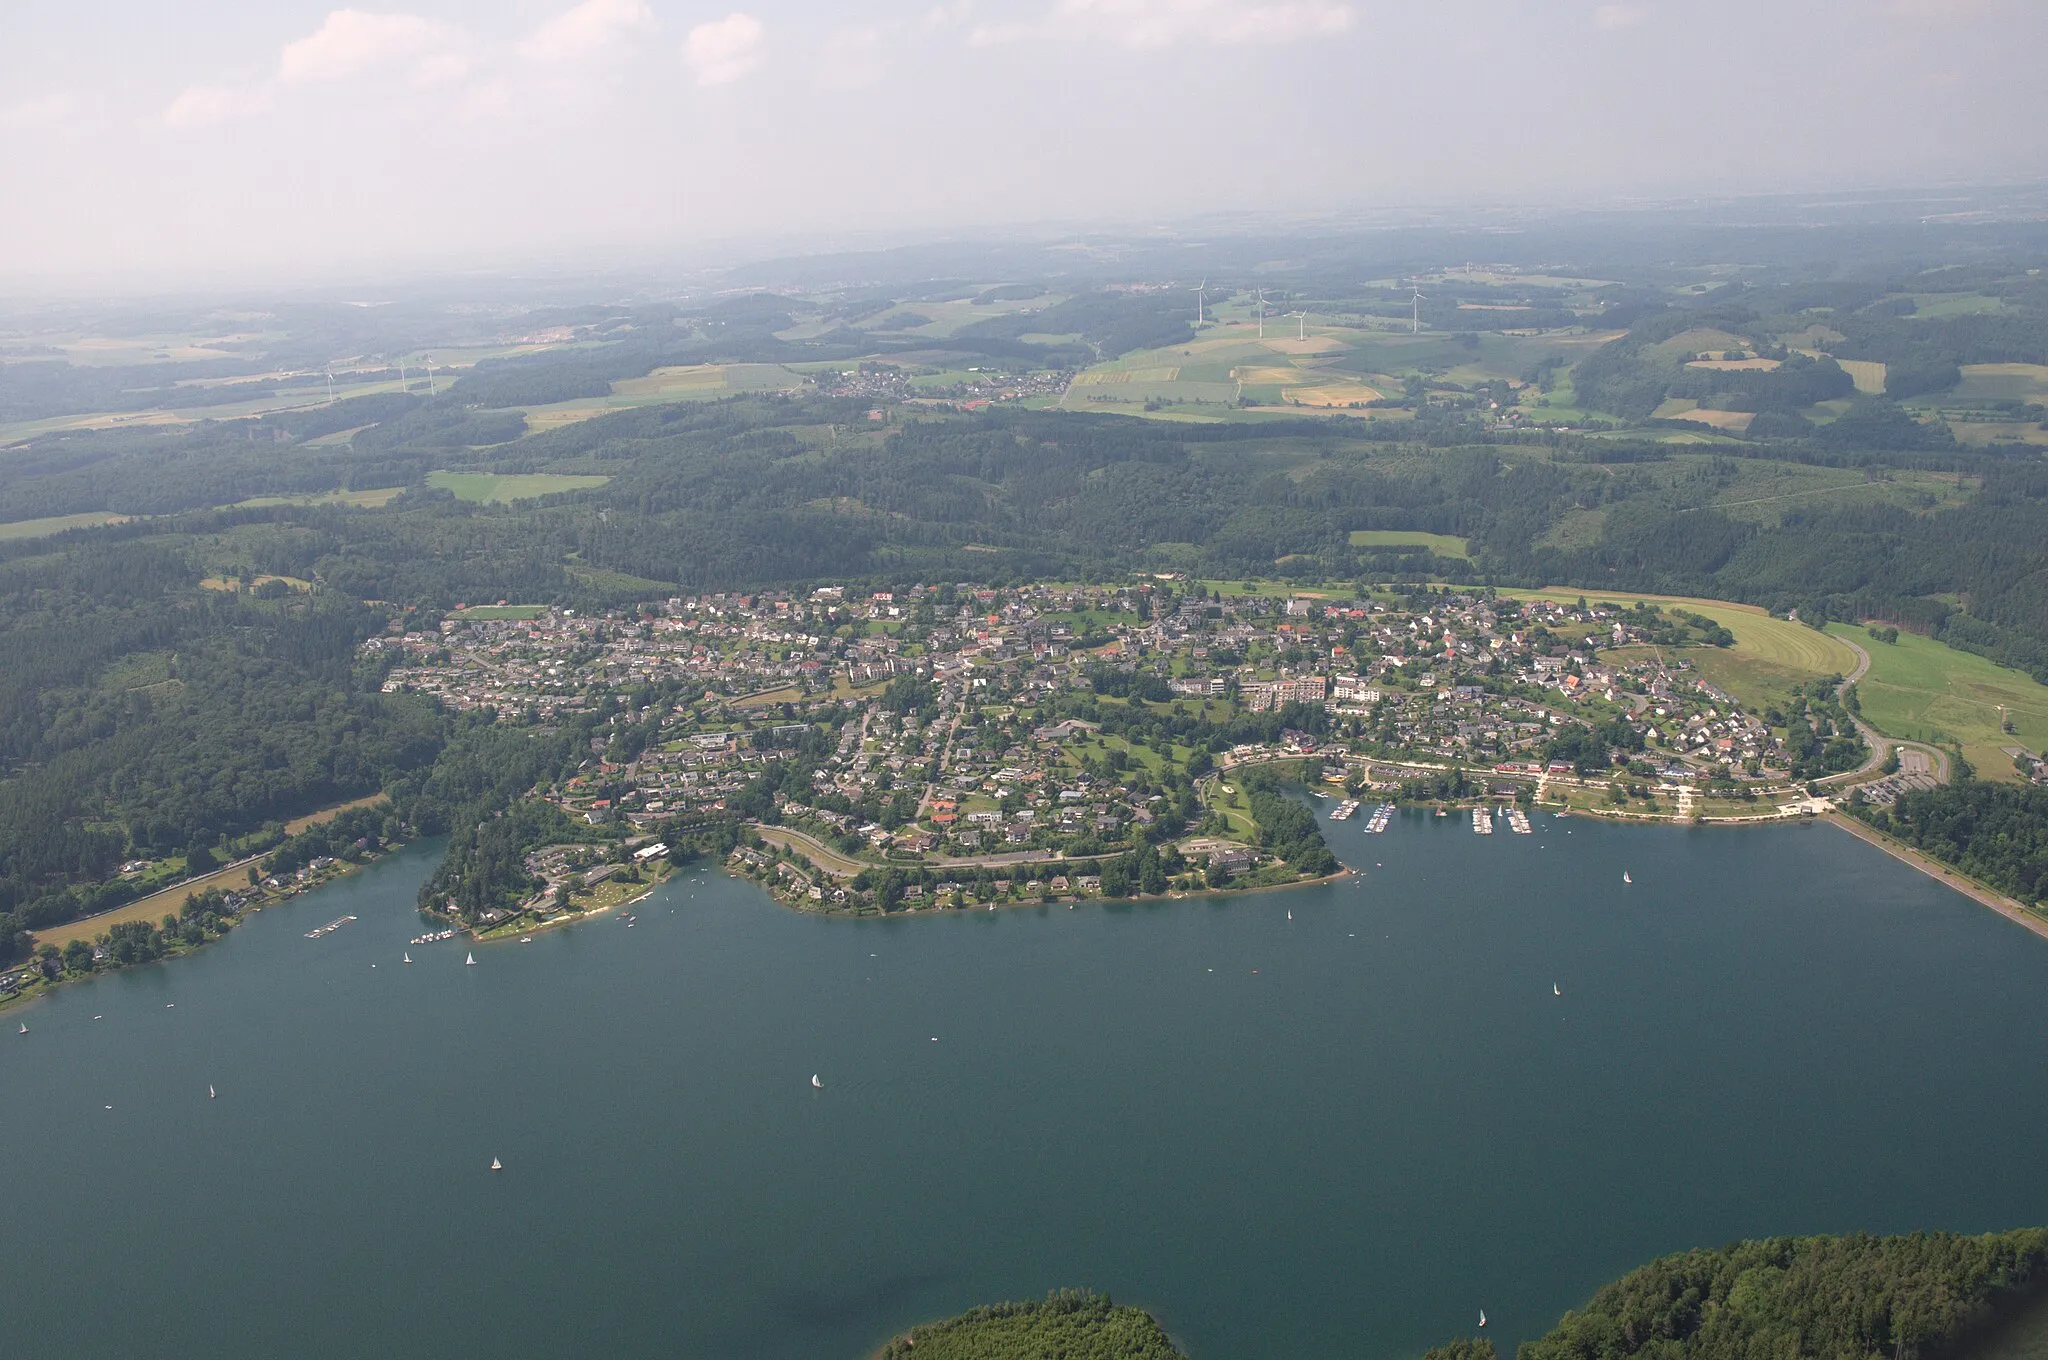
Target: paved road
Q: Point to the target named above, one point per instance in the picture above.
(1879, 744)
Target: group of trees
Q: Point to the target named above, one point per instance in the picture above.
(1073, 1324)
(1828, 1298)
(1996, 833)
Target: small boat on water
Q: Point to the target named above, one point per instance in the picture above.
(1625, 878)
(1290, 913)
(209, 1091)
(1482, 1317)
(470, 962)
(408, 958)
(497, 1165)
(819, 1085)
(1556, 990)
(24, 1028)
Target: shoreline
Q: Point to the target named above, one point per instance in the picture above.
(1344, 872)
(2010, 909)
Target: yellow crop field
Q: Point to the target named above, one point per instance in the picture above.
(1331, 394)
(1867, 374)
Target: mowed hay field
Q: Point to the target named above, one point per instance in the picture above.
(1867, 374)
(1443, 545)
(492, 488)
(57, 524)
(1769, 656)
(1922, 690)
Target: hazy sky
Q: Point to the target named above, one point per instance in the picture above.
(214, 140)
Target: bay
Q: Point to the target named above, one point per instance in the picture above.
(1337, 1135)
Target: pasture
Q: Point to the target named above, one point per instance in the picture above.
(1922, 690)
(493, 488)
(374, 498)
(1443, 545)
(57, 524)
(518, 613)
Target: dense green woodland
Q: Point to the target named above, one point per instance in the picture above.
(1068, 1325)
(1783, 1298)
(1786, 1298)
(1996, 833)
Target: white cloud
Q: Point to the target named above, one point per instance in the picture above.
(1163, 23)
(205, 105)
(352, 41)
(589, 28)
(724, 50)
(1608, 18)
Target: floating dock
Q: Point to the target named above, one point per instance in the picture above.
(336, 924)
(1482, 825)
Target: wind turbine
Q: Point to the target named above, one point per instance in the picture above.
(1200, 289)
(430, 373)
(1415, 308)
(1302, 317)
(330, 384)
(1260, 295)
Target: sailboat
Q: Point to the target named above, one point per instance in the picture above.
(1290, 913)
(815, 1082)
(1625, 878)
(24, 1029)
(1482, 1317)
(209, 1091)
(1556, 990)
(408, 958)
(497, 1165)
(470, 962)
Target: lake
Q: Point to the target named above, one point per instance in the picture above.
(1337, 1135)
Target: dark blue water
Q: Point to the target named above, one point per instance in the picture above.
(1340, 1135)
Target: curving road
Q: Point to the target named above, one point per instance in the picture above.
(1879, 744)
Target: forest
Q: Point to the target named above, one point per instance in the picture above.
(1831, 1298)
(1995, 833)
(1071, 1324)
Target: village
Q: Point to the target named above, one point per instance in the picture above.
(937, 743)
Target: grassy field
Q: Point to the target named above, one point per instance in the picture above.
(373, 499)
(1923, 690)
(57, 524)
(501, 611)
(1443, 545)
(1867, 374)
(1768, 658)
(491, 488)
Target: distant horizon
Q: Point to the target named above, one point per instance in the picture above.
(674, 266)
(218, 143)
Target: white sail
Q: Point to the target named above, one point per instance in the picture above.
(815, 1082)
(209, 1092)
(497, 1165)
(408, 958)
(470, 961)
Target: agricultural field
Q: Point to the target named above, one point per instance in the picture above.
(1922, 690)
(1443, 545)
(1867, 374)
(492, 488)
(57, 524)
(373, 498)
(693, 382)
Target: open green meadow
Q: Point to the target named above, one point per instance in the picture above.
(1442, 545)
(493, 488)
(57, 524)
(1922, 690)
(516, 612)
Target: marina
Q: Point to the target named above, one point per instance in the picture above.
(1345, 810)
(1518, 822)
(435, 937)
(1381, 815)
(336, 924)
(1482, 825)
